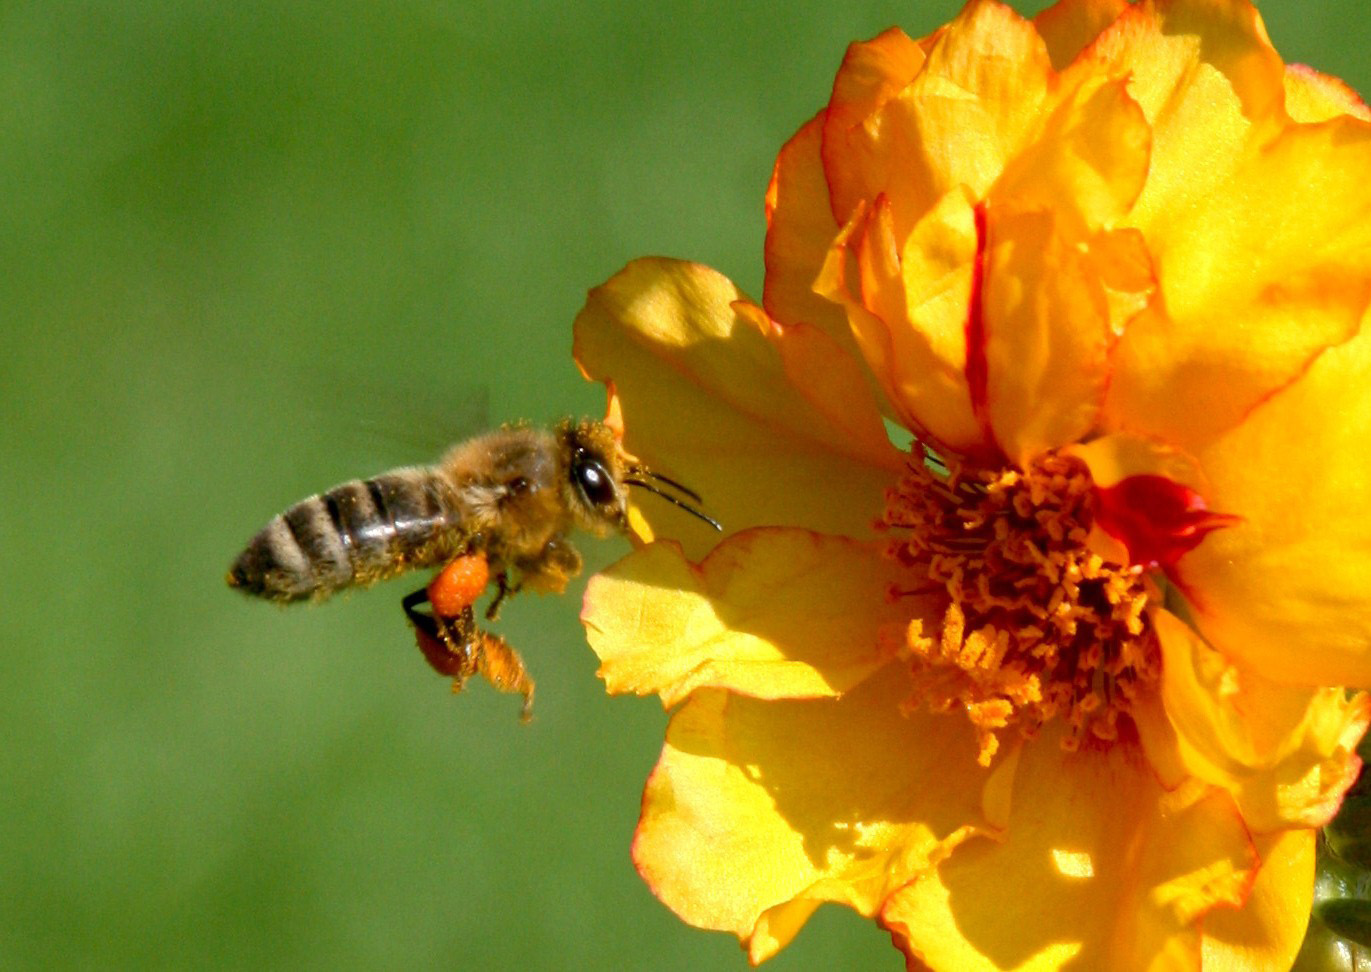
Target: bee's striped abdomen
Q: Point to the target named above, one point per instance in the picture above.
(356, 533)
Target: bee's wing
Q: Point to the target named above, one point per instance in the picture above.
(384, 424)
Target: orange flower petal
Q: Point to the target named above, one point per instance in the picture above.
(759, 810)
(1267, 931)
(772, 613)
(964, 114)
(1286, 753)
(871, 74)
(1099, 865)
(705, 397)
(1046, 335)
(1068, 26)
(799, 230)
(909, 310)
(1124, 266)
(1088, 156)
(1288, 590)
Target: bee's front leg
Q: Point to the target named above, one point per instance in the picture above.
(553, 566)
(504, 590)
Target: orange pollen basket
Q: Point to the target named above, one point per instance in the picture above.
(1036, 626)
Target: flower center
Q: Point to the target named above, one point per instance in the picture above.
(1037, 625)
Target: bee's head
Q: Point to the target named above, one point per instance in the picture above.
(598, 476)
(594, 488)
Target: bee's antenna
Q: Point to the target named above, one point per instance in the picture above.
(674, 501)
(640, 471)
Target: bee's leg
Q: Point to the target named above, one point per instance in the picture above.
(457, 648)
(503, 667)
(505, 589)
(422, 622)
(554, 565)
(448, 644)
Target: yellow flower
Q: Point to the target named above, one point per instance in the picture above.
(1065, 679)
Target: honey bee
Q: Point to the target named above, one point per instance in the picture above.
(499, 506)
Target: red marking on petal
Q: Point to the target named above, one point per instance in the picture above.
(1156, 518)
(977, 368)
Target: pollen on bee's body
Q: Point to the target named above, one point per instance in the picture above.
(1037, 626)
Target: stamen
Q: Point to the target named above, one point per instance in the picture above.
(1037, 625)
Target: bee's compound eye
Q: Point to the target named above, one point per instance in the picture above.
(593, 479)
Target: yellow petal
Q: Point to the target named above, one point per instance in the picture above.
(1202, 71)
(1088, 156)
(825, 374)
(1257, 278)
(1113, 458)
(1260, 228)
(1288, 590)
(1311, 96)
(772, 613)
(1267, 931)
(1068, 26)
(1046, 332)
(1286, 753)
(759, 810)
(1099, 865)
(705, 398)
(799, 230)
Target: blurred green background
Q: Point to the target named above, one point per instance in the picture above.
(238, 239)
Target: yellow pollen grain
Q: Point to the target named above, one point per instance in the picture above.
(1037, 626)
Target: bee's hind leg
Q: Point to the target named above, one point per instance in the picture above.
(457, 648)
(503, 668)
(448, 644)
